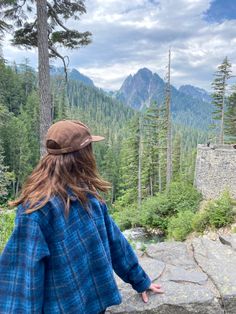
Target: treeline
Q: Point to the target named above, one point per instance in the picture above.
(133, 157)
(118, 157)
(19, 121)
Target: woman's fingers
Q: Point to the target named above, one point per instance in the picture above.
(155, 285)
(155, 288)
(144, 296)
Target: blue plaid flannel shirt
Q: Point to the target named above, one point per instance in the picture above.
(51, 264)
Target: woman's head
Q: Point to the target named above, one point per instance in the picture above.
(56, 172)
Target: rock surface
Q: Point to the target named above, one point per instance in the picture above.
(197, 276)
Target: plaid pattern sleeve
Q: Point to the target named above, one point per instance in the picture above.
(124, 260)
(22, 268)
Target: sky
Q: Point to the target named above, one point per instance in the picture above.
(129, 35)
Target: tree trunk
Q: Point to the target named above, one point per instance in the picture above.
(140, 164)
(43, 73)
(222, 118)
(169, 137)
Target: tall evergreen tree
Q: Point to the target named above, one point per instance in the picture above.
(43, 33)
(230, 118)
(176, 155)
(219, 86)
(129, 164)
(169, 126)
(4, 177)
(154, 159)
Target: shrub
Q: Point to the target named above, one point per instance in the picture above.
(217, 213)
(6, 227)
(183, 195)
(127, 217)
(221, 211)
(200, 221)
(180, 225)
(155, 211)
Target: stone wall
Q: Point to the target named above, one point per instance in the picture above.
(215, 170)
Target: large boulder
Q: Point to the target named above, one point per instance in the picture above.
(218, 261)
(197, 277)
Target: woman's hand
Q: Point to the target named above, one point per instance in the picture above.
(155, 288)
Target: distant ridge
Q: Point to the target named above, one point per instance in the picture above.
(195, 92)
(73, 74)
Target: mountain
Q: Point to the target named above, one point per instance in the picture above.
(188, 105)
(140, 89)
(195, 92)
(73, 74)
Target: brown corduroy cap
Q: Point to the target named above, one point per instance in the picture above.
(66, 136)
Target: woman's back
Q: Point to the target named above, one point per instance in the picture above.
(76, 256)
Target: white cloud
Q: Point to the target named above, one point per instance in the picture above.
(128, 35)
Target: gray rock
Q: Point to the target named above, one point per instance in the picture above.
(177, 299)
(181, 275)
(173, 253)
(198, 279)
(229, 240)
(153, 268)
(218, 261)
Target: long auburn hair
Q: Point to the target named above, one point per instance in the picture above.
(54, 173)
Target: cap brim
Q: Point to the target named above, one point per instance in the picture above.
(97, 138)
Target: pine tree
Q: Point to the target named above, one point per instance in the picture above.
(169, 126)
(4, 177)
(151, 150)
(176, 155)
(129, 164)
(43, 33)
(219, 86)
(230, 118)
(140, 153)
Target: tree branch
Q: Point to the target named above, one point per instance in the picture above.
(56, 53)
(56, 17)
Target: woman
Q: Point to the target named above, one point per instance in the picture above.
(64, 247)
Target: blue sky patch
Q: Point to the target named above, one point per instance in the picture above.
(221, 10)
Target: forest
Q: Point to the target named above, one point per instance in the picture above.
(133, 157)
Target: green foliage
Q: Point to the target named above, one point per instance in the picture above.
(183, 195)
(5, 178)
(180, 225)
(216, 214)
(11, 91)
(15, 15)
(200, 221)
(155, 211)
(221, 212)
(127, 217)
(6, 227)
(219, 85)
(230, 118)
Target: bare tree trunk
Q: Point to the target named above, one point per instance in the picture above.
(43, 69)
(169, 137)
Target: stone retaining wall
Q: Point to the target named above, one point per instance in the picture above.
(215, 170)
